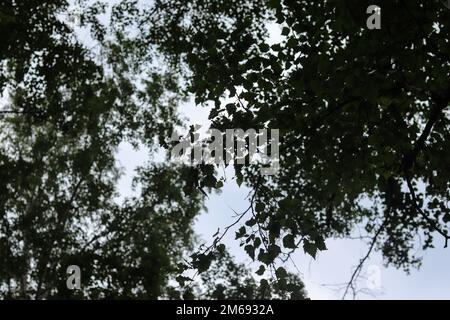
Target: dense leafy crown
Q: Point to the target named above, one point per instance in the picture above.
(365, 138)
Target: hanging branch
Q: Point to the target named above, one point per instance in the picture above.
(357, 271)
(410, 159)
(431, 222)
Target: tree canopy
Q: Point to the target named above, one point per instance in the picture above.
(365, 140)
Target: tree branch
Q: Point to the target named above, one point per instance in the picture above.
(357, 271)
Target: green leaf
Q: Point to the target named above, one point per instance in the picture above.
(241, 233)
(261, 270)
(276, 47)
(264, 284)
(231, 108)
(281, 273)
(446, 218)
(250, 251)
(310, 248)
(239, 180)
(203, 262)
(289, 241)
(182, 280)
(320, 243)
(272, 252)
(251, 222)
(264, 47)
